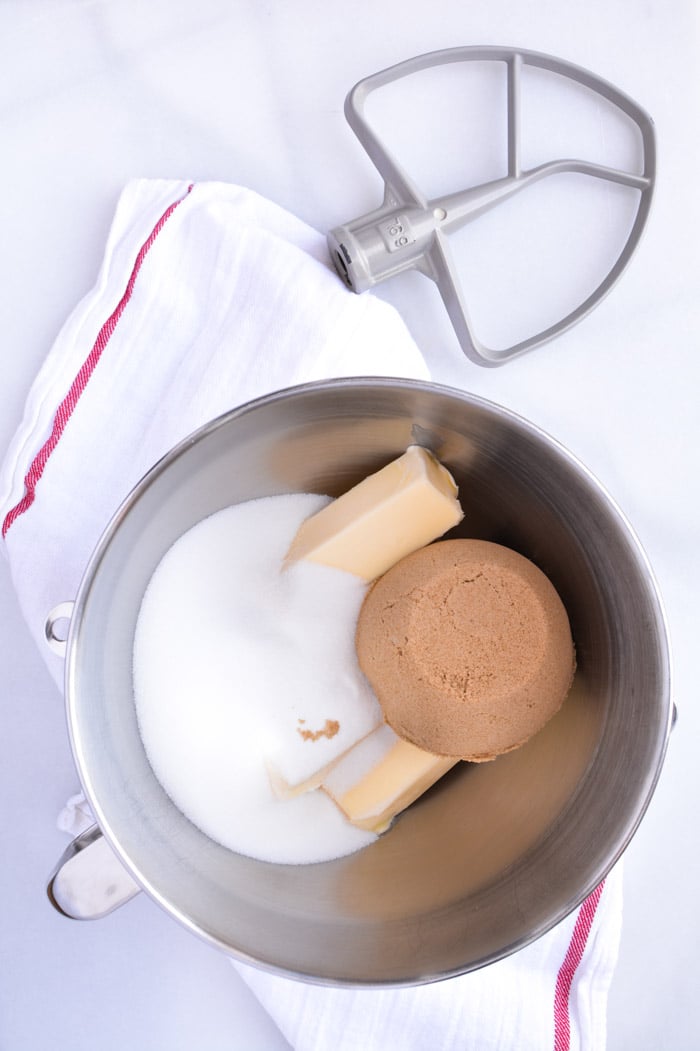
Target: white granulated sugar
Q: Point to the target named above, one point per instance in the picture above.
(239, 662)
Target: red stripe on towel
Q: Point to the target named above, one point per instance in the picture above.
(567, 971)
(65, 409)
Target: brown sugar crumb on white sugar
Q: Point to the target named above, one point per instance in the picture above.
(329, 729)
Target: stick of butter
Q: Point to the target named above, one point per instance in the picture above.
(397, 510)
(380, 776)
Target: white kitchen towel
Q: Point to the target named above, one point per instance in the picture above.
(209, 296)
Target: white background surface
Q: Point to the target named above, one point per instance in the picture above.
(95, 93)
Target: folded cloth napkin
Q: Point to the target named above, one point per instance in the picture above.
(208, 296)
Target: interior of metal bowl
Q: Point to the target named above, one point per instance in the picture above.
(496, 853)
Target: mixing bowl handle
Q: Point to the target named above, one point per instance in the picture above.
(89, 880)
(56, 627)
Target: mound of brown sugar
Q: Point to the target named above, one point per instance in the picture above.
(468, 648)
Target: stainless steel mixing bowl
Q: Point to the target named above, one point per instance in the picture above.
(496, 853)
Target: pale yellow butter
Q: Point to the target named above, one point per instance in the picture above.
(380, 776)
(286, 789)
(397, 510)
